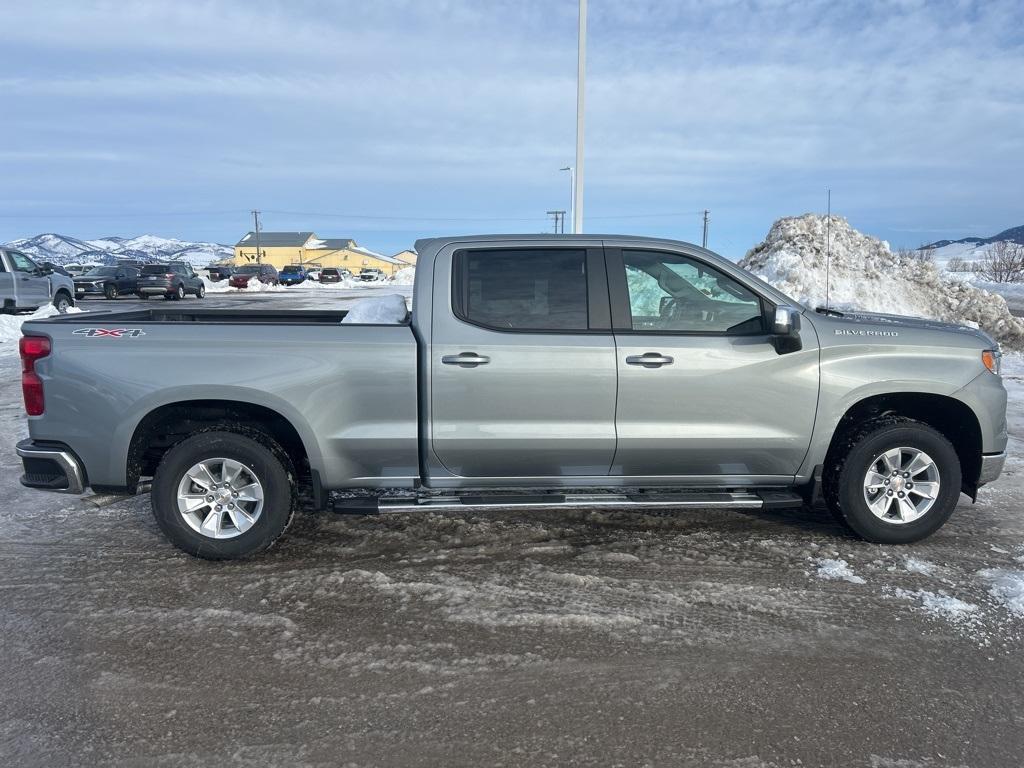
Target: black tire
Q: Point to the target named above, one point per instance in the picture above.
(849, 461)
(264, 459)
(201, 292)
(62, 301)
(179, 292)
(110, 292)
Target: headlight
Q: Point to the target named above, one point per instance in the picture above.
(992, 359)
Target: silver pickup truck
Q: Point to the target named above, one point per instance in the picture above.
(573, 370)
(24, 285)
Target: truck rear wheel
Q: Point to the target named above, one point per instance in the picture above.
(895, 481)
(221, 495)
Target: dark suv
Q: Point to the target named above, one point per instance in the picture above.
(172, 281)
(110, 282)
(219, 273)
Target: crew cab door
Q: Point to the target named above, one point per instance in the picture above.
(522, 364)
(703, 391)
(31, 287)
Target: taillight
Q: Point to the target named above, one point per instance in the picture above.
(33, 348)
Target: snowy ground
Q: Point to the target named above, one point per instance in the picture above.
(547, 638)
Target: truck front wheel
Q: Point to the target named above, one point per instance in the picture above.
(221, 495)
(895, 481)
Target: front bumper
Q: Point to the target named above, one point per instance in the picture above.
(50, 467)
(991, 467)
(87, 289)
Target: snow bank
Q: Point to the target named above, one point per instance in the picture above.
(865, 274)
(380, 310)
(10, 326)
(405, 276)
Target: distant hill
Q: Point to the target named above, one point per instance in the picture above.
(1013, 234)
(63, 249)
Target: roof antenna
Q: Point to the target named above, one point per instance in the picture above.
(828, 245)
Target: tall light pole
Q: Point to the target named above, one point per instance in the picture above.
(581, 67)
(572, 196)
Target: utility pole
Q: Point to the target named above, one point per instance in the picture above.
(581, 67)
(256, 223)
(559, 217)
(704, 242)
(572, 196)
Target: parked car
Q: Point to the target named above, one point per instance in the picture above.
(79, 269)
(174, 280)
(293, 274)
(313, 274)
(55, 268)
(332, 275)
(218, 273)
(371, 274)
(24, 285)
(265, 273)
(534, 365)
(109, 282)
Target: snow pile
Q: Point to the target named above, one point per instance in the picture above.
(256, 286)
(835, 570)
(10, 326)
(405, 276)
(865, 274)
(380, 310)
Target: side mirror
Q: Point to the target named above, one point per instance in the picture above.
(786, 329)
(786, 321)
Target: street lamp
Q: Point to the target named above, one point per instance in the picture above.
(572, 196)
(581, 69)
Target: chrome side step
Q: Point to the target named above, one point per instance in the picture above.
(769, 499)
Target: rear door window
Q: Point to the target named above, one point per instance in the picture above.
(526, 289)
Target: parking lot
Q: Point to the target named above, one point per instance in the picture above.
(542, 638)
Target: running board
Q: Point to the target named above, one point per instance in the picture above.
(767, 499)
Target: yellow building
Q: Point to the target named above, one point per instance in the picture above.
(408, 256)
(305, 248)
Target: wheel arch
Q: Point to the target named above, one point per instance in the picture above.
(952, 418)
(166, 424)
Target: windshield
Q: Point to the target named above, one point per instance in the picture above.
(102, 272)
(253, 270)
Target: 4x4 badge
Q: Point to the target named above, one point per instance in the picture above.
(113, 333)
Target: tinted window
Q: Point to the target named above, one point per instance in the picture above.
(252, 270)
(528, 289)
(669, 292)
(154, 269)
(102, 272)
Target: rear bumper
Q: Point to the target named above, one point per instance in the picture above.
(991, 467)
(50, 467)
(155, 290)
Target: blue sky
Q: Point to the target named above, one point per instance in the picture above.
(390, 120)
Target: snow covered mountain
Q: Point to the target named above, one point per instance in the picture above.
(62, 249)
(1013, 235)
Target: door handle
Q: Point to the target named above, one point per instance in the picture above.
(466, 360)
(650, 360)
